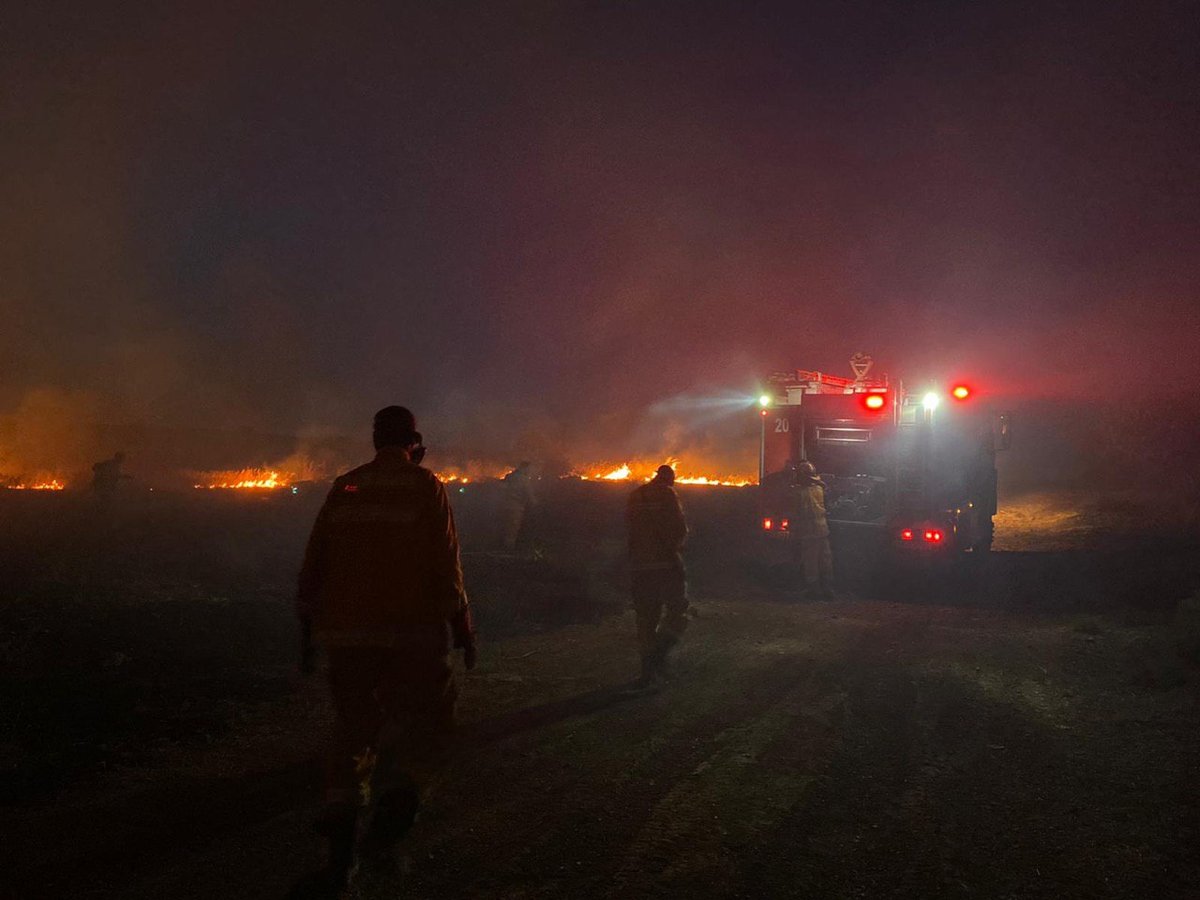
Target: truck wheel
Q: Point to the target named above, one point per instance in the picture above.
(984, 537)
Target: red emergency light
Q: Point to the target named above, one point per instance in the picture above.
(874, 401)
(960, 392)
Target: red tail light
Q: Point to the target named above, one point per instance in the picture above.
(906, 534)
(874, 401)
(767, 523)
(783, 524)
(960, 392)
(933, 536)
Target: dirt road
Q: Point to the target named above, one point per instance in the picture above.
(854, 749)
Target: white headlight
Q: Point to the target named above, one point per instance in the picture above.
(930, 401)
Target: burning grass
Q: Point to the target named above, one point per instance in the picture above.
(33, 483)
(686, 472)
(293, 472)
(473, 472)
(52, 484)
(290, 472)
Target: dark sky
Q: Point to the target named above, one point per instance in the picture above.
(537, 220)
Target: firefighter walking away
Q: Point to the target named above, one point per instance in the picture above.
(657, 532)
(381, 591)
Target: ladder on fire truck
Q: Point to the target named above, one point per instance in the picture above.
(809, 381)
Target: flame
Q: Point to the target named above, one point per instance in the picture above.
(727, 481)
(643, 470)
(288, 473)
(52, 484)
(246, 479)
(267, 477)
(474, 471)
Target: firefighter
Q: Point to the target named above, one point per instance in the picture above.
(811, 530)
(106, 476)
(381, 591)
(518, 498)
(657, 531)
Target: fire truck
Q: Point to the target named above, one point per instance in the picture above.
(912, 473)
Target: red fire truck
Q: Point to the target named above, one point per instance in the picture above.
(913, 472)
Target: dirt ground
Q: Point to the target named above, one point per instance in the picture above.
(1025, 726)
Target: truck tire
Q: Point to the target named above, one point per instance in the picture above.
(984, 536)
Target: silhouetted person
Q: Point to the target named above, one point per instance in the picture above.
(811, 528)
(657, 532)
(381, 590)
(106, 476)
(518, 498)
(776, 487)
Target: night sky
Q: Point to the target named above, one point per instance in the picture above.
(544, 223)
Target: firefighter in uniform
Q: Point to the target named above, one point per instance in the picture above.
(381, 590)
(809, 525)
(518, 498)
(657, 531)
(106, 478)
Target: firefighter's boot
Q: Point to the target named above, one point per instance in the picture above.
(340, 825)
(395, 814)
(661, 660)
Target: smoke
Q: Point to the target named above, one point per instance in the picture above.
(56, 433)
(228, 239)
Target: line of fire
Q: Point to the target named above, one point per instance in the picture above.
(267, 478)
(906, 473)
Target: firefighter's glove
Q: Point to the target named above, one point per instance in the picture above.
(308, 651)
(463, 631)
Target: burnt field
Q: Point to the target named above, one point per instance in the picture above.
(147, 674)
(157, 622)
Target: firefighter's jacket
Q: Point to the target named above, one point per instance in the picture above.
(382, 565)
(808, 510)
(657, 529)
(518, 489)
